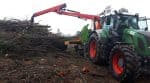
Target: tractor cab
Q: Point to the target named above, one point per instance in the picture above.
(118, 22)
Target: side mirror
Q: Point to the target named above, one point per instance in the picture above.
(146, 28)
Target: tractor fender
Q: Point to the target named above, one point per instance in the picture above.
(124, 43)
(121, 43)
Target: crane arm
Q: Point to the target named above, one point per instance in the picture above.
(52, 9)
(60, 9)
(79, 15)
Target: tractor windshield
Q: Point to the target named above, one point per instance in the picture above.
(129, 20)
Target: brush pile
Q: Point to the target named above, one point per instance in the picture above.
(18, 36)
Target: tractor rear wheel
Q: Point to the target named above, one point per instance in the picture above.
(94, 49)
(123, 63)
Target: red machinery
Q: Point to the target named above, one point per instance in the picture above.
(60, 9)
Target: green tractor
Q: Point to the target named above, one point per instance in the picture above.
(120, 43)
(117, 40)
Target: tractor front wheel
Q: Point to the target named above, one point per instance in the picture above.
(94, 49)
(124, 63)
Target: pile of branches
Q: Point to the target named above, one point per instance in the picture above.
(20, 36)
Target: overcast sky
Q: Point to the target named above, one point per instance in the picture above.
(23, 9)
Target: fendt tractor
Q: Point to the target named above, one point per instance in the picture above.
(117, 39)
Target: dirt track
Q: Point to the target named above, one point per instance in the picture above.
(54, 67)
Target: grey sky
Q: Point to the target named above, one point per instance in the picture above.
(23, 9)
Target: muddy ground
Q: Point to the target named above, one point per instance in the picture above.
(53, 67)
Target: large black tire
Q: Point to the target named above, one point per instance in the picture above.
(124, 63)
(94, 49)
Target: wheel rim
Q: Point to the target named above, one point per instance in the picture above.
(118, 63)
(93, 49)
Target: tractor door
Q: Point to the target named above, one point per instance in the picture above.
(117, 28)
(107, 24)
